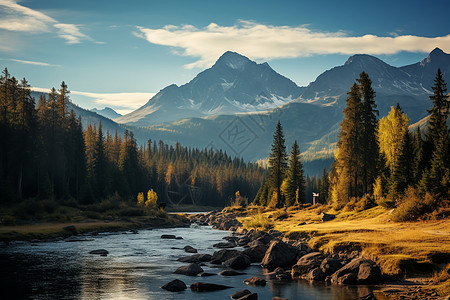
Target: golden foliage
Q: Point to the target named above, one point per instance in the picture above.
(391, 130)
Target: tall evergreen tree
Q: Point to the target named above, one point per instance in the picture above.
(418, 162)
(278, 163)
(324, 186)
(369, 124)
(439, 175)
(295, 179)
(348, 156)
(403, 173)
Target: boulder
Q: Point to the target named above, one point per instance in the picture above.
(330, 265)
(189, 249)
(224, 245)
(315, 274)
(279, 273)
(99, 252)
(306, 263)
(207, 287)
(256, 253)
(175, 286)
(327, 217)
(362, 271)
(189, 270)
(196, 258)
(168, 236)
(204, 274)
(230, 273)
(253, 296)
(222, 255)
(240, 294)
(238, 262)
(256, 281)
(279, 254)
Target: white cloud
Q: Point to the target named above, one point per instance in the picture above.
(16, 17)
(259, 41)
(71, 33)
(120, 102)
(36, 63)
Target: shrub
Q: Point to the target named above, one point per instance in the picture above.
(412, 206)
(364, 203)
(49, 205)
(130, 212)
(93, 214)
(258, 221)
(27, 208)
(239, 201)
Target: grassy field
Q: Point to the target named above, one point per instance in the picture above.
(399, 248)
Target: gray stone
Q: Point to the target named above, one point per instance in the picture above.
(189, 270)
(207, 287)
(255, 281)
(175, 286)
(279, 254)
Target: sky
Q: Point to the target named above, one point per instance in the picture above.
(119, 53)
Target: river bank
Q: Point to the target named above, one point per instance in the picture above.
(412, 258)
(50, 230)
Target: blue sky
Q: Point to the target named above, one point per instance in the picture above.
(118, 53)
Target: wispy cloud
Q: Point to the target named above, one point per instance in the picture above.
(121, 102)
(259, 41)
(16, 17)
(35, 63)
(118, 100)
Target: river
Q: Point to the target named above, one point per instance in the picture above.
(136, 268)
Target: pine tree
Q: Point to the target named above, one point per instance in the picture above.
(62, 103)
(295, 179)
(369, 142)
(439, 175)
(403, 175)
(348, 155)
(419, 164)
(438, 113)
(278, 163)
(324, 186)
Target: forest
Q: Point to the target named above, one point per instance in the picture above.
(377, 162)
(46, 154)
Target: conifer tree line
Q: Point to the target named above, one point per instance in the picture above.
(44, 153)
(381, 159)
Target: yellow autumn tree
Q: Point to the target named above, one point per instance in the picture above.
(391, 130)
(152, 198)
(140, 200)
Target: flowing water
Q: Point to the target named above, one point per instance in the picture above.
(136, 268)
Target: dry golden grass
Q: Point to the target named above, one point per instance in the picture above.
(51, 230)
(397, 247)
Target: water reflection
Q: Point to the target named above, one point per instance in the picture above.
(136, 268)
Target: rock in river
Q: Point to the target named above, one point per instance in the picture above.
(255, 281)
(207, 287)
(175, 286)
(102, 252)
(190, 270)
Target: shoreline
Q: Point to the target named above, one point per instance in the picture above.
(48, 231)
(411, 282)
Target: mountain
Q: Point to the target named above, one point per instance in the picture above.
(107, 112)
(234, 84)
(409, 86)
